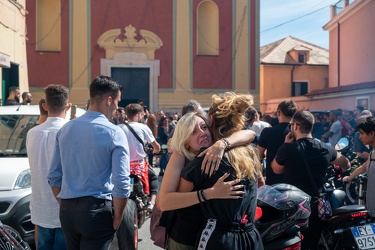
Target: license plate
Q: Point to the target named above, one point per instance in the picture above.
(364, 236)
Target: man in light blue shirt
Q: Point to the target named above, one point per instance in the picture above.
(90, 171)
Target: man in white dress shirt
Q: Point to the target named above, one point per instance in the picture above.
(40, 144)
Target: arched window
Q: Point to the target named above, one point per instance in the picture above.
(207, 28)
(48, 25)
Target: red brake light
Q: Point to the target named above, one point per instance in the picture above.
(360, 214)
(258, 213)
(296, 246)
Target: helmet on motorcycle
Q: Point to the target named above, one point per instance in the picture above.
(285, 209)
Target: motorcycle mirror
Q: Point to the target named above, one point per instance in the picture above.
(342, 143)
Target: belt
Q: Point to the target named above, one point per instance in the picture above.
(86, 198)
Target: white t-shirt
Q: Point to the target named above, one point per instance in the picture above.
(144, 132)
(336, 129)
(258, 126)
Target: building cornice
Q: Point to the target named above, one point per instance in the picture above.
(357, 89)
(345, 14)
(291, 64)
(342, 94)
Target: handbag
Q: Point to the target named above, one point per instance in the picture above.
(161, 226)
(324, 206)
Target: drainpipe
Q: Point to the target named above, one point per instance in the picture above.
(292, 77)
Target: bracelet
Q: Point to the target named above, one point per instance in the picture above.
(199, 198)
(226, 142)
(204, 198)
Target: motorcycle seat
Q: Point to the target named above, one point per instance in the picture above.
(348, 209)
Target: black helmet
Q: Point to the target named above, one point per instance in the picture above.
(285, 209)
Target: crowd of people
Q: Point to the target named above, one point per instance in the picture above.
(211, 169)
(14, 97)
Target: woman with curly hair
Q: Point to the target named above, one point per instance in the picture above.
(229, 222)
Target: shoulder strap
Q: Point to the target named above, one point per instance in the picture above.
(135, 134)
(371, 159)
(299, 147)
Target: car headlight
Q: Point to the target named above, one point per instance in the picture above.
(23, 180)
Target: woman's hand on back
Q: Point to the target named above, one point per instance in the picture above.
(212, 157)
(225, 190)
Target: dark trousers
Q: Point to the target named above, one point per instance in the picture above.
(312, 233)
(87, 223)
(150, 159)
(164, 161)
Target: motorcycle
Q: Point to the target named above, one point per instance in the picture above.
(350, 226)
(282, 213)
(361, 185)
(135, 214)
(335, 174)
(355, 190)
(10, 239)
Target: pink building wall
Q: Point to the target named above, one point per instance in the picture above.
(357, 54)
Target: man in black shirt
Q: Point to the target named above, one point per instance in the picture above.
(289, 160)
(272, 138)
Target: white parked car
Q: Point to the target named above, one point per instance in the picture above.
(15, 181)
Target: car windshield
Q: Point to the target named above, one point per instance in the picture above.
(13, 131)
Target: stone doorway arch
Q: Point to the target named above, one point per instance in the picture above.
(128, 50)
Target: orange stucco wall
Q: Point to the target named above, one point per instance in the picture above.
(276, 81)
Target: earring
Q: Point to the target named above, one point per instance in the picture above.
(187, 146)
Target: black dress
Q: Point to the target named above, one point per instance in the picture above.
(230, 223)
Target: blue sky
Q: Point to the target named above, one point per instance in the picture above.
(314, 15)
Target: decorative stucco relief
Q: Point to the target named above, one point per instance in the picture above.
(117, 41)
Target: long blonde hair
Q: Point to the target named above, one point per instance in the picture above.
(227, 111)
(182, 133)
